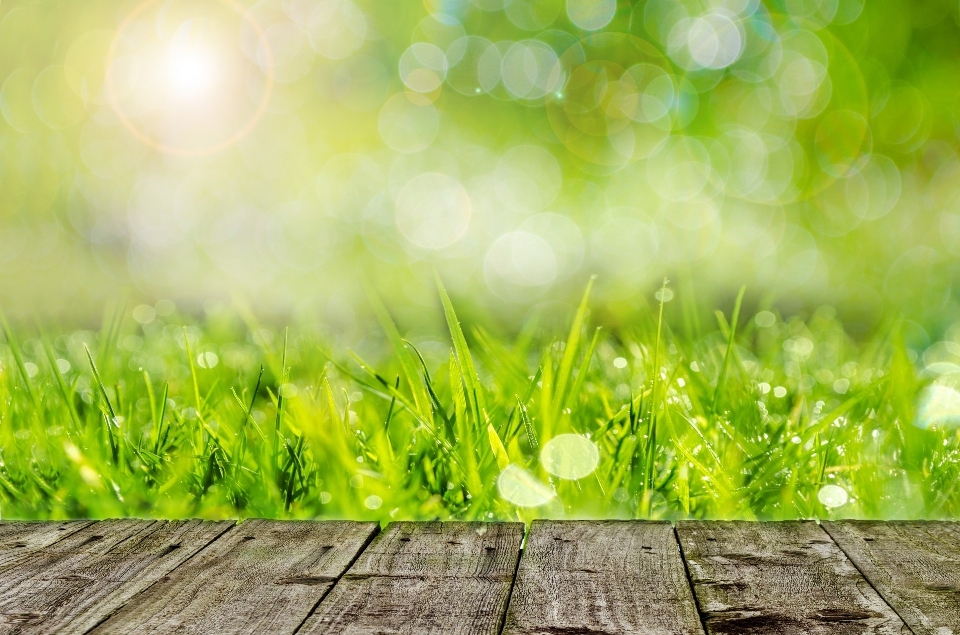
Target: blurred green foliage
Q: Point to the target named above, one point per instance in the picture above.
(288, 150)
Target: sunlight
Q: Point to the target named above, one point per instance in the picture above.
(191, 73)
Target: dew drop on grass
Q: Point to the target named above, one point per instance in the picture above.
(522, 488)
(570, 456)
(833, 496)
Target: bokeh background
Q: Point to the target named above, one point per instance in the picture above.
(287, 153)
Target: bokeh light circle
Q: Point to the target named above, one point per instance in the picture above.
(518, 486)
(823, 91)
(570, 456)
(433, 211)
(464, 58)
(84, 68)
(833, 496)
(591, 15)
(533, 15)
(423, 67)
(518, 263)
(408, 127)
(527, 178)
(602, 112)
(337, 28)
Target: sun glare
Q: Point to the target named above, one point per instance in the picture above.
(191, 73)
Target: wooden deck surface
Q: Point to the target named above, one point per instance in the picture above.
(566, 578)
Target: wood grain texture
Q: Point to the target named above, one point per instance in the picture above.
(622, 577)
(451, 578)
(28, 534)
(261, 577)
(784, 578)
(74, 583)
(19, 538)
(915, 566)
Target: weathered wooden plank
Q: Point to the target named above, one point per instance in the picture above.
(785, 578)
(261, 577)
(425, 578)
(74, 583)
(18, 539)
(620, 577)
(17, 535)
(915, 566)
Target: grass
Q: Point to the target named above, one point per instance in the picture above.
(162, 416)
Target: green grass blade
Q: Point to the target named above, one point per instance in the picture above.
(570, 351)
(408, 365)
(721, 379)
(18, 360)
(471, 379)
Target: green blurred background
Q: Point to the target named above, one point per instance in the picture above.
(288, 152)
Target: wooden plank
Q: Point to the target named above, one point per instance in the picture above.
(621, 577)
(785, 578)
(915, 566)
(451, 578)
(19, 539)
(261, 577)
(18, 535)
(71, 585)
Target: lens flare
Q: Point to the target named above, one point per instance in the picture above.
(179, 83)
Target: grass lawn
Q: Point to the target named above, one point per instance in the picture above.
(159, 415)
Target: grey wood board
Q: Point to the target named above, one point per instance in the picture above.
(32, 534)
(76, 582)
(915, 566)
(622, 577)
(787, 578)
(260, 577)
(19, 538)
(425, 578)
